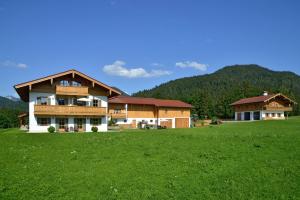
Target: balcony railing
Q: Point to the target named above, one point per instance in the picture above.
(272, 108)
(56, 110)
(121, 115)
(72, 90)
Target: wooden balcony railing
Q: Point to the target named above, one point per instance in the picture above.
(69, 110)
(121, 115)
(272, 108)
(72, 90)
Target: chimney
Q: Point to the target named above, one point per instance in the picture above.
(265, 93)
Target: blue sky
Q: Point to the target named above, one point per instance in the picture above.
(136, 45)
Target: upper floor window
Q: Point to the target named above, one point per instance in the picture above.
(42, 101)
(64, 83)
(95, 102)
(61, 101)
(76, 84)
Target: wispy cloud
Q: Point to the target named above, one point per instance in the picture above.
(9, 63)
(118, 69)
(192, 64)
(157, 64)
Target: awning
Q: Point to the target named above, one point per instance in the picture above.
(84, 99)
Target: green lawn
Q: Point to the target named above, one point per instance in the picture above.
(255, 160)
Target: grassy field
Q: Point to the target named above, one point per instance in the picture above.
(255, 160)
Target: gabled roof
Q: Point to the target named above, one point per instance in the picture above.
(149, 101)
(24, 87)
(260, 99)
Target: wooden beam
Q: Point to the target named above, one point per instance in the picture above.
(51, 80)
(73, 75)
(109, 92)
(29, 87)
(93, 84)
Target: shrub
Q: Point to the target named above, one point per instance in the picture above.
(215, 121)
(95, 129)
(51, 129)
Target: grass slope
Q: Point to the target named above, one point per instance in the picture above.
(258, 160)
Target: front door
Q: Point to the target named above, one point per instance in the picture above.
(62, 124)
(79, 124)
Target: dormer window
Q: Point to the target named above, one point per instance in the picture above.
(64, 83)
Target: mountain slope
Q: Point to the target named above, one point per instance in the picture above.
(226, 85)
(15, 104)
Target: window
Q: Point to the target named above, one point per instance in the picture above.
(125, 120)
(62, 122)
(95, 103)
(273, 114)
(43, 121)
(42, 101)
(76, 84)
(267, 114)
(79, 122)
(64, 83)
(95, 121)
(61, 101)
(151, 120)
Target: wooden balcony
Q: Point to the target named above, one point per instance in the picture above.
(272, 108)
(121, 115)
(72, 90)
(57, 110)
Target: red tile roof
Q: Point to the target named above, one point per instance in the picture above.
(259, 99)
(149, 101)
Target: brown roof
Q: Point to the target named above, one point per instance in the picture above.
(22, 88)
(259, 99)
(149, 101)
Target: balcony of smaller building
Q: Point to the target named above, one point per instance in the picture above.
(117, 115)
(278, 108)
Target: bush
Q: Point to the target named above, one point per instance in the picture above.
(95, 129)
(51, 129)
(215, 121)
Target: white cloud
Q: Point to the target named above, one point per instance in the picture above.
(192, 64)
(157, 64)
(118, 69)
(9, 63)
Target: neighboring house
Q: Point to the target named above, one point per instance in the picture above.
(130, 111)
(68, 101)
(73, 101)
(267, 106)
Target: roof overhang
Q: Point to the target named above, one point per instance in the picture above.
(24, 88)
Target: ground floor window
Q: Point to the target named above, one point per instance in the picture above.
(43, 121)
(96, 121)
(62, 123)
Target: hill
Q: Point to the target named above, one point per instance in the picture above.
(211, 94)
(13, 103)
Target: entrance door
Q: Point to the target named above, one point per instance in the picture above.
(239, 116)
(256, 115)
(167, 123)
(247, 116)
(79, 124)
(182, 122)
(62, 124)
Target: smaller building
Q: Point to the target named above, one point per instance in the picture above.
(265, 107)
(128, 112)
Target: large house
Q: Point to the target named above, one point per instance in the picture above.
(130, 111)
(73, 101)
(265, 107)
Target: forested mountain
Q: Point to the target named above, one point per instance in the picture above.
(9, 110)
(212, 94)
